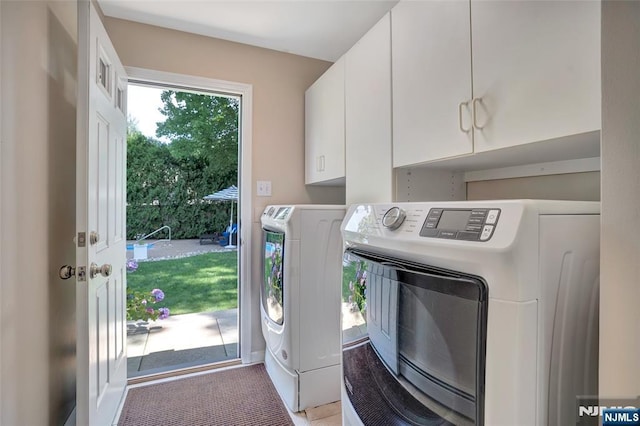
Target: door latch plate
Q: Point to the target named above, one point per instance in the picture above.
(82, 239)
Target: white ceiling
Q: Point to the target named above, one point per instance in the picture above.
(323, 29)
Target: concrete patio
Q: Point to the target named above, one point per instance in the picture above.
(182, 341)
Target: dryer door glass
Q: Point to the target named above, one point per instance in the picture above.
(427, 327)
(354, 303)
(273, 283)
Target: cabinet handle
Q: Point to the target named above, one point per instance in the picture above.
(322, 162)
(460, 106)
(319, 163)
(474, 111)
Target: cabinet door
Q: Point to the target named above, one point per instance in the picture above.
(324, 127)
(431, 63)
(369, 174)
(536, 67)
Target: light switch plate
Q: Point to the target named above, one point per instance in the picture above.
(264, 188)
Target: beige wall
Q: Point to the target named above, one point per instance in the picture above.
(620, 237)
(279, 81)
(573, 186)
(37, 370)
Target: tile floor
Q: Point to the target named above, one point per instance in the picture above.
(325, 415)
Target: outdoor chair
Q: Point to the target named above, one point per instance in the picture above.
(213, 238)
(230, 236)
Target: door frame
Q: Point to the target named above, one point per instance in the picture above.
(245, 91)
(2, 285)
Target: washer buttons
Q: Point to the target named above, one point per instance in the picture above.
(492, 217)
(486, 232)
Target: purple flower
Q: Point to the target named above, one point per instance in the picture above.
(150, 310)
(157, 294)
(132, 265)
(164, 313)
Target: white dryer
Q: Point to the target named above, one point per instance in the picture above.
(300, 302)
(472, 312)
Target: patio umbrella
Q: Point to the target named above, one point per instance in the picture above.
(230, 193)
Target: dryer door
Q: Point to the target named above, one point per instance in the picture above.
(272, 291)
(427, 331)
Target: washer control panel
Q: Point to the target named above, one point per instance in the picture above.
(460, 224)
(276, 212)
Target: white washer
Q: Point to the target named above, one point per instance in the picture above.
(300, 302)
(539, 264)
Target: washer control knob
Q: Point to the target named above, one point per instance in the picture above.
(393, 218)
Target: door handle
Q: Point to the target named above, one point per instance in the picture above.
(474, 111)
(94, 237)
(460, 106)
(104, 270)
(67, 272)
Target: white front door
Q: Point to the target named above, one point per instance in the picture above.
(100, 223)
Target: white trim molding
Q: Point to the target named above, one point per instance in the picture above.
(245, 91)
(2, 201)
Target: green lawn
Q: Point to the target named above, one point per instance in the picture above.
(206, 282)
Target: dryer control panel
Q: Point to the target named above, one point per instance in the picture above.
(460, 224)
(280, 213)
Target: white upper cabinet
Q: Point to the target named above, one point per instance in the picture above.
(431, 63)
(369, 173)
(324, 128)
(476, 76)
(536, 70)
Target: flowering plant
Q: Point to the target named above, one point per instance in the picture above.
(132, 265)
(140, 305)
(358, 297)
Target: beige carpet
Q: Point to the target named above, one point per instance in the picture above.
(240, 396)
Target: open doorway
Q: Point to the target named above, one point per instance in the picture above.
(183, 254)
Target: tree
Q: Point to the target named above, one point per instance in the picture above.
(203, 128)
(166, 183)
(150, 171)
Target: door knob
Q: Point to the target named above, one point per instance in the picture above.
(104, 270)
(94, 237)
(67, 272)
